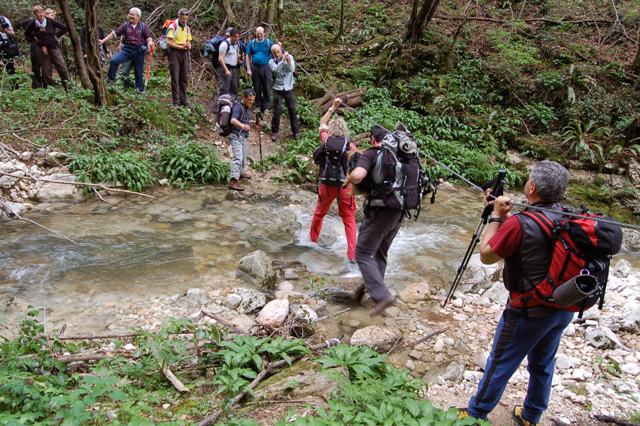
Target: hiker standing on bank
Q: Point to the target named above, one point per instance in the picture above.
(179, 53)
(331, 156)
(238, 138)
(138, 41)
(229, 60)
(283, 66)
(533, 332)
(258, 54)
(42, 33)
(379, 228)
(8, 45)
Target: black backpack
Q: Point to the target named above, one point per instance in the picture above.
(330, 156)
(212, 49)
(9, 46)
(398, 181)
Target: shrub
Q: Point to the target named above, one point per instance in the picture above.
(129, 169)
(187, 163)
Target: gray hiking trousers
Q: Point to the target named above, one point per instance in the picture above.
(374, 239)
(239, 148)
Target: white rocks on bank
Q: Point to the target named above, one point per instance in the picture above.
(258, 266)
(380, 338)
(274, 313)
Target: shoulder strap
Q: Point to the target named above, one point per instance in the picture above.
(546, 226)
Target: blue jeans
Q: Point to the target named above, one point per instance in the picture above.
(136, 56)
(516, 337)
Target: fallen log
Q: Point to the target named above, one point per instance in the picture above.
(268, 369)
(174, 380)
(330, 95)
(351, 102)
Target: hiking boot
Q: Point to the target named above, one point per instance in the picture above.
(244, 175)
(233, 185)
(520, 420)
(463, 413)
(379, 307)
(274, 136)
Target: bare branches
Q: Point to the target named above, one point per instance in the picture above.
(591, 21)
(11, 214)
(87, 184)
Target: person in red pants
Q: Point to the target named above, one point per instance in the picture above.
(331, 156)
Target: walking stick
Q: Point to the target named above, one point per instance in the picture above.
(496, 191)
(259, 124)
(148, 72)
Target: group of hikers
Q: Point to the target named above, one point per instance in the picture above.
(388, 174)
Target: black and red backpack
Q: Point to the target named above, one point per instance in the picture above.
(581, 246)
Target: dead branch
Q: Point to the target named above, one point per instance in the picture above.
(104, 336)
(94, 356)
(87, 184)
(174, 380)
(333, 315)
(15, 216)
(221, 321)
(417, 342)
(268, 369)
(544, 20)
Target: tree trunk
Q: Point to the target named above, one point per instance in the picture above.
(341, 27)
(271, 11)
(231, 18)
(420, 18)
(81, 67)
(93, 59)
(281, 17)
(636, 61)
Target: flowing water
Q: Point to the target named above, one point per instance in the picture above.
(139, 248)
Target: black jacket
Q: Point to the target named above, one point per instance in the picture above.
(47, 36)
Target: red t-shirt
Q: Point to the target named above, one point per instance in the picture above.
(507, 240)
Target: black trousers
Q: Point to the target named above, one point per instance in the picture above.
(290, 99)
(179, 68)
(8, 61)
(261, 79)
(230, 84)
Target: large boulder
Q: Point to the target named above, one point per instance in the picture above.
(257, 265)
(478, 276)
(415, 292)
(303, 379)
(602, 338)
(274, 313)
(53, 192)
(379, 338)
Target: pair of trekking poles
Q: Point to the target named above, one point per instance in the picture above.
(497, 189)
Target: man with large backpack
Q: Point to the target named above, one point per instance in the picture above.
(179, 51)
(258, 53)
(331, 156)
(138, 41)
(390, 173)
(238, 137)
(542, 249)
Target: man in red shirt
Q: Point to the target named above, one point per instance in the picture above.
(534, 332)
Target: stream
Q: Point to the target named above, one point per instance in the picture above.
(137, 248)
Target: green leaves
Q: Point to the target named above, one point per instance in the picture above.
(130, 169)
(191, 162)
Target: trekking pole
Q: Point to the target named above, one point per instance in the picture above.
(259, 124)
(496, 191)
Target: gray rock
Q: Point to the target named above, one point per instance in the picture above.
(304, 314)
(243, 323)
(26, 155)
(6, 182)
(480, 276)
(258, 266)
(290, 274)
(631, 368)
(497, 293)
(232, 300)
(379, 338)
(631, 322)
(303, 379)
(286, 286)
(274, 313)
(563, 362)
(631, 239)
(472, 376)
(480, 359)
(196, 297)
(252, 300)
(602, 338)
(622, 269)
(344, 290)
(454, 372)
(17, 208)
(570, 330)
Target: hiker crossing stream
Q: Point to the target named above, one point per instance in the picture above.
(139, 248)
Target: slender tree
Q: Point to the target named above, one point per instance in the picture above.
(226, 5)
(93, 59)
(341, 27)
(271, 11)
(81, 67)
(422, 12)
(636, 62)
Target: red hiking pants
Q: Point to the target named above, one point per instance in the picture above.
(346, 208)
